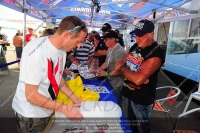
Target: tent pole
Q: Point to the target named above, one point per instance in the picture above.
(24, 21)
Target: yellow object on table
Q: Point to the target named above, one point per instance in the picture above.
(77, 87)
(89, 95)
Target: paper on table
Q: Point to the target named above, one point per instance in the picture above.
(73, 67)
(76, 67)
(83, 70)
(87, 75)
(98, 89)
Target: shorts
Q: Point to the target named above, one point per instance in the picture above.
(19, 52)
(31, 125)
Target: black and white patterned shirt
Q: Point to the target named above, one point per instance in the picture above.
(84, 52)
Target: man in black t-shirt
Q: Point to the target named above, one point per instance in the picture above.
(140, 67)
(101, 49)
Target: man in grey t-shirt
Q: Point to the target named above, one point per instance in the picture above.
(115, 54)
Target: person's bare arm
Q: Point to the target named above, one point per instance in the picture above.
(32, 96)
(67, 72)
(100, 53)
(90, 59)
(3, 42)
(141, 75)
(103, 52)
(100, 69)
(115, 73)
(70, 73)
(73, 59)
(121, 63)
(38, 99)
(103, 66)
(67, 91)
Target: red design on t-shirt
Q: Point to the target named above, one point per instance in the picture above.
(134, 86)
(134, 60)
(51, 76)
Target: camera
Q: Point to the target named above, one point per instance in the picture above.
(98, 7)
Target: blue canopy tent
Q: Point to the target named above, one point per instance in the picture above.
(119, 13)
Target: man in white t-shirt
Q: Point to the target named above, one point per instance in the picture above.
(40, 80)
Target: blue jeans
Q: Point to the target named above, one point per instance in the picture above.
(118, 96)
(142, 113)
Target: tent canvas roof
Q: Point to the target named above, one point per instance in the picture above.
(119, 13)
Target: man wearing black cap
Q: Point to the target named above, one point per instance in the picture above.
(140, 67)
(101, 49)
(106, 27)
(115, 53)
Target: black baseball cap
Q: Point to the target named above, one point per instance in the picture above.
(143, 27)
(110, 34)
(117, 30)
(106, 27)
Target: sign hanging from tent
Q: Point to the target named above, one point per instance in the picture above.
(88, 10)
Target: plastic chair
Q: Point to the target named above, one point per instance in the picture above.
(177, 120)
(195, 95)
(164, 104)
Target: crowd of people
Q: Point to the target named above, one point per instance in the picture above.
(44, 64)
(17, 40)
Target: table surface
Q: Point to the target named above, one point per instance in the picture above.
(103, 97)
(108, 97)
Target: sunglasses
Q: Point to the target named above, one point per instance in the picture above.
(83, 26)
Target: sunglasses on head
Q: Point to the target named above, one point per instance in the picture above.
(77, 27)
